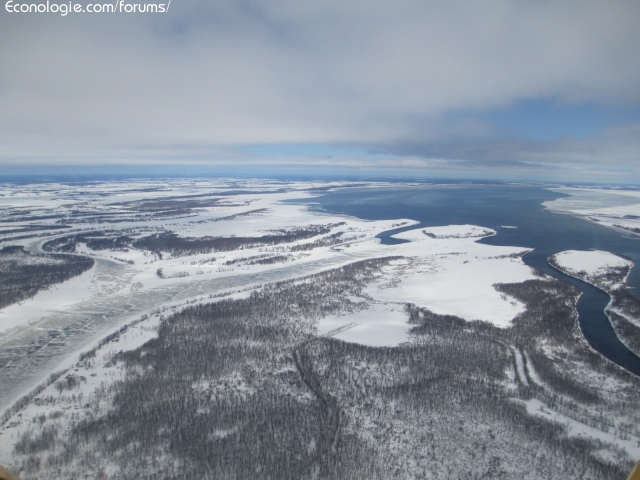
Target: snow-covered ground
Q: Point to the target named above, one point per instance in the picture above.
(611, 207)
(380, 325)
(443, 269)
(616, 437)
(56, 407)
(613, 444)
(124, 284)
(455, 275)
(608, 272)
(451, 274)
(593, 266)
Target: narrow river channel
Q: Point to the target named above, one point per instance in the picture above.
(516, 214)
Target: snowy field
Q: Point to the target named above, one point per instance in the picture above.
(91, 377)
(124, 283)
(616, 208)
(593, 266)
(442, 269)
(445, 270)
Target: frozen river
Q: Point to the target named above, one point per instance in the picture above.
(28, 354)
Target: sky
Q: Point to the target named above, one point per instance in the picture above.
(505, 90)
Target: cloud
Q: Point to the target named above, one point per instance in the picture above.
(210, 76)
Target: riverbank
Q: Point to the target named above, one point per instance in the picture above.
(608, 272)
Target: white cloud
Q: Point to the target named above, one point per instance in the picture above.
(210, 75)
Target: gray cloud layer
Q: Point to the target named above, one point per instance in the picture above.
(208, 76)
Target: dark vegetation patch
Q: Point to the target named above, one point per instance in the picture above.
(32, 228)
(635, 230)
(177, 246)
(23, 216)
(624, 305)
(110, 239)
(250, 213)
(133, 211)
(266, 259)
(329, 240)
(168, 206)
(271, 260)
(629, 332)
(224, 397)
(23, 274)
(94, 240)
(40, 443)
(244, 389)
(626, 302)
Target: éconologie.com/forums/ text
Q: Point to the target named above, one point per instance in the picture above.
(119, 6)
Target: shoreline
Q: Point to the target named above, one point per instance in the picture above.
(551, 260)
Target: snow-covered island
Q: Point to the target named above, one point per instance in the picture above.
(605, 270)
(608, 272)
(225, 331)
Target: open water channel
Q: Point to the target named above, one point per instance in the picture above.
(502, 207)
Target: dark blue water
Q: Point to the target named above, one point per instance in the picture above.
(495, 206)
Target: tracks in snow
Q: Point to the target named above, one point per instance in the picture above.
(327, 400)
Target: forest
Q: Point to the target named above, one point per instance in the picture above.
(23, 274)
(624, 309)
(245, 388)
(177, 246)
